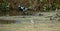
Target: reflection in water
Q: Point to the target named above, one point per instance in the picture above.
(8, 21)
(17, 21)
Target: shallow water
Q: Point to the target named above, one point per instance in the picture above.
(24, 24)
(28, 26)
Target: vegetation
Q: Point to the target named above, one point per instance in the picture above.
(36, 5)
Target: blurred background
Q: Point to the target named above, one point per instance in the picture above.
(42, 15)
(10, 7)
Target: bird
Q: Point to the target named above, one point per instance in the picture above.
(22, 9)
